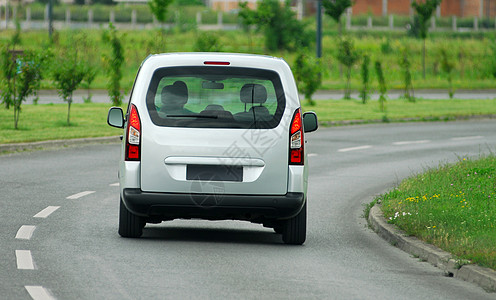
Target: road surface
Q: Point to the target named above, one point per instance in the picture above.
(59, 215)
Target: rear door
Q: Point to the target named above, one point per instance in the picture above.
(215, 130)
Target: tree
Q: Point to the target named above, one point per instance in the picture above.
(347, 55)
(68, 72)
(335, 9)
(307, 75)
(90, 73)
(365, 79)
(114, 65)
(22, 73)
(281, 29)
(405, 65)
(159, 9)
(423, 13)
(248, 19)
(447, 65)
(382, 85)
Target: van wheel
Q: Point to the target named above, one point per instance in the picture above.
(130, 225)
(294, 230)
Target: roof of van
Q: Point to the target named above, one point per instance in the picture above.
(200, 58)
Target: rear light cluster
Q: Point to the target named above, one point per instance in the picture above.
(133, 136)
(296, 141)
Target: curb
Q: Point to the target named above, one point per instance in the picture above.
(57, 144)
(483, 277)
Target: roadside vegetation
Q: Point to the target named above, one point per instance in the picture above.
(108, 58)
(49, 121)
(473, 56)
(452, 207)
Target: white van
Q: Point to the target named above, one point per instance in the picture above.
(214, 136)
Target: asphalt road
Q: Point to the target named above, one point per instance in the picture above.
(74, 252)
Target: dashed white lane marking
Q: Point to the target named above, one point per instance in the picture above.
(462, 138)
(355, 148)
(46, 212)
(79, 195)
(24, 260)
(411, 142)
(38, 292)
(312, 154)
(114, 184)
(25, 232)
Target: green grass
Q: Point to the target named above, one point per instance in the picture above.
(452, 207)
(49, 121)
(397, 110)
(473, 54)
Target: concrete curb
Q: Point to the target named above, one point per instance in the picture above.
(57, 144)
(483, 277)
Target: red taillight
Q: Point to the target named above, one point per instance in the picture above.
(217, 63)
(133, 135)
(296, 140)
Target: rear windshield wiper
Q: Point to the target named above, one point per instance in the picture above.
(193, 116)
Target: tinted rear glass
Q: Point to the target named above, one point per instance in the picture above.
(218, 97)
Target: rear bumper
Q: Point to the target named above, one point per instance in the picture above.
(255, 208)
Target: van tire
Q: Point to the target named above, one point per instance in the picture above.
(294, 230)
(130, 225)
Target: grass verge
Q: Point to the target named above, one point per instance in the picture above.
(400, 110)
(48, 121)
(452, 207)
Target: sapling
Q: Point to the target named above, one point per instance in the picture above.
(364, 94)
(348, 56)
(448, 65)
(68, 72)
(423, 13)
(407, 75)
(382, 85)
(307, 72)
(114, 65)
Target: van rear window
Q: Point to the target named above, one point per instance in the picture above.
(215, 97)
